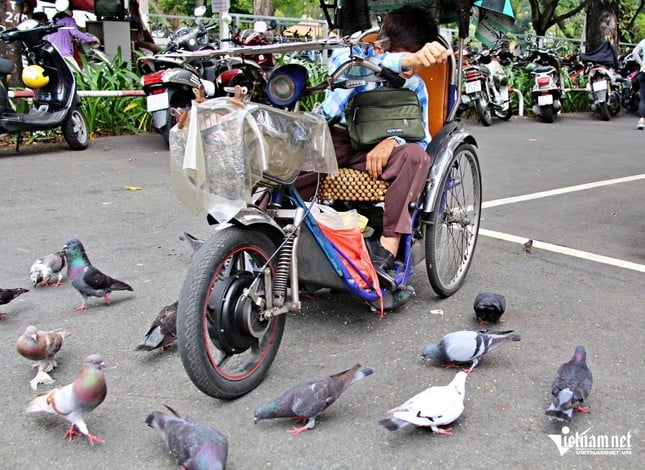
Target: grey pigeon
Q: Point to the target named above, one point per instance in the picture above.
(434, 407)
(571, 387)
(489, 307)
(466, 346)
(7, 295)
(194, 445)
(193, 242)
(41, 346)
(43, 269)
(163, 331)
(88, 280)
(305, 401)
(75, 400)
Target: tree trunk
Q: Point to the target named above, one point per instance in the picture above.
(263, 7)
(602, 23)
(9, 19)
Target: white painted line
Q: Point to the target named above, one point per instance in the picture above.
(564, 250)
(557, 192)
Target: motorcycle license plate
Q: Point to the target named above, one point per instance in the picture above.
(473, 87)
(544, 100)
(599, 85)
(157, 102)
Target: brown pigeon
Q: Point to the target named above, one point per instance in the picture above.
(41, 346)
(305, 401)
(163, 331)
(7, 295)
(75, 400)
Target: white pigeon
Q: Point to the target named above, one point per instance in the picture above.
(43, 269)
(435, 406)
(75, 400)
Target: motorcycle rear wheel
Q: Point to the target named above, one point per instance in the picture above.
(483, 111)
(225, 348)
(170, 123)
(603, 109)
(546, 113)
(75, 130)
(453, 228)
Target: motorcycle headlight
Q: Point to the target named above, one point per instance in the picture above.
(286, 84)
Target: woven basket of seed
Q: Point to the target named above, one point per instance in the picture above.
(352, 185)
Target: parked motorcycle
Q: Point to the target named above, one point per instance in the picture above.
(55, 100)
(627, 78)
(248, 275)
(172, 78)
(486, 85)
(602, 88)
(547, 91)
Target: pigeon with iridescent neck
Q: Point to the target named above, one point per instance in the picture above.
(41, 346)
(305, 401)
(571, 387)
(75, 400)
(85, 278)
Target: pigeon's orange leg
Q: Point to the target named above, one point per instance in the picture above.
(72, 431)
(92, 438)
(582, 409)
(450, 365)
(81, 307)
(106, 297)
(295, 431)
(447, 432)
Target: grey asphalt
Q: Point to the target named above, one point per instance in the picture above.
(554, 301)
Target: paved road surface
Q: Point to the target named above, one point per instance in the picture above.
(554, 300)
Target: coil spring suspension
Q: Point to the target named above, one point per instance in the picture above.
(284, 266)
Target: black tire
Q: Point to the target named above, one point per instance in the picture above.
(482, 108)
(451, 235)
(214, 321)
(546, 113)
(170, 123)
(603, 109)
(75, 130)
(614, 103)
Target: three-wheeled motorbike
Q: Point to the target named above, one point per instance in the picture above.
(237, 163)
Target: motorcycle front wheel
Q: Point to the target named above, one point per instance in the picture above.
(483, 111)
(504, 114)
(453, 228)
(75, 130)
(225, 347)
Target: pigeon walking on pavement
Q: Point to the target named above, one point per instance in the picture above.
(305, 401)
(466, 346)
(194, 445)
(75, 400)
(88, 280)
(163, 331)
(41, 346)
(44, 269)
(435, 406)
(489, 307)
(7, 295)
(571, 387)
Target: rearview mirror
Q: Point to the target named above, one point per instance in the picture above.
(200, 11)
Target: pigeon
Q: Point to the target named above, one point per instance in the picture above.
(305, 401)
(489, 307)
(7, 295)
(194, 445)
(466, 346)
(435, 406)
(163, 331)
(194, 243)
(88, 280)
(41, 346)
(75, 400)
(43, 269)
(571, 387)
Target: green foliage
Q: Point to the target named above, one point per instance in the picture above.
(112, 115)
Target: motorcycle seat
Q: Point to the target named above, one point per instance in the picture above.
(543, 69)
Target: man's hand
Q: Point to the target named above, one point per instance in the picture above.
(378, 157)
(431, 54)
